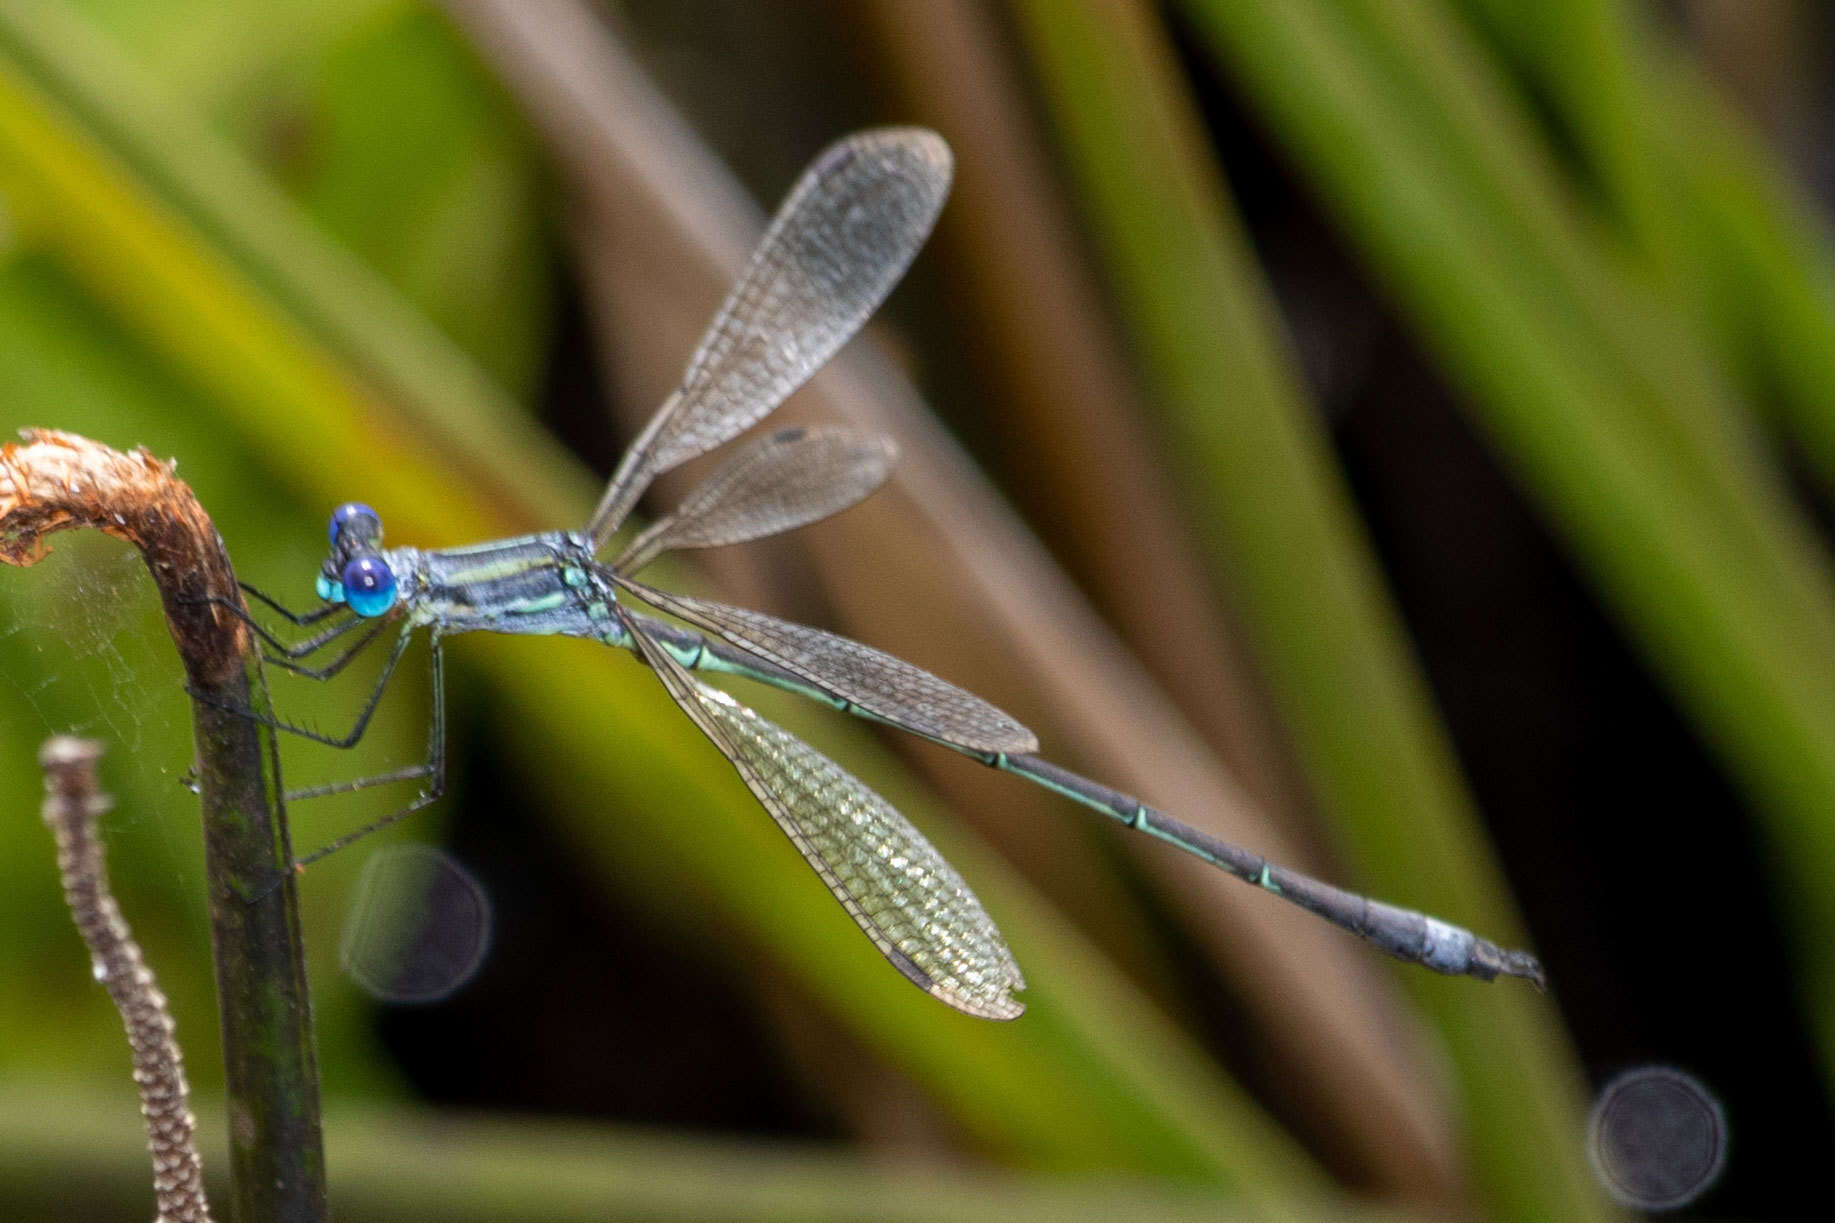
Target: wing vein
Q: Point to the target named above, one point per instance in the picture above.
(899, 890)
(840, 241)
(879, 684)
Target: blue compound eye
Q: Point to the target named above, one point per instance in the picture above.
(369, 586)
(350, 513)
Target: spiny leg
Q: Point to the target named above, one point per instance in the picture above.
(306, 732)
(303, 619)
(297, 649)
(337, 664)
(434, 770)
(312, 644)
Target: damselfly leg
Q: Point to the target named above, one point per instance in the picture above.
(433, 769)
(286, 654)
(303, 619)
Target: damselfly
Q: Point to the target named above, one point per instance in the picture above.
(835, 249)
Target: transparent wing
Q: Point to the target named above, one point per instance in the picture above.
(885, 687)
(839, 243)
(784, 480)
(892, 882)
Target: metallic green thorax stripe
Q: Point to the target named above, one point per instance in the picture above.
(538, 584)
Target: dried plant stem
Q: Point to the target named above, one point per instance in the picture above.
(58, 481)
(72, 803)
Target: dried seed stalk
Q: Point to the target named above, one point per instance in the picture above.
(72, 803)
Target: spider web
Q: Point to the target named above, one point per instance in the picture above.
(84, 651)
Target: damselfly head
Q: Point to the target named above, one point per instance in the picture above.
(368, 585)
(354, 522)
(355, 573)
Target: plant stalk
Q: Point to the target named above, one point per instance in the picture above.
(58, 481)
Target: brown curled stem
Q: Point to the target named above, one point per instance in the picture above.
(59, 481)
